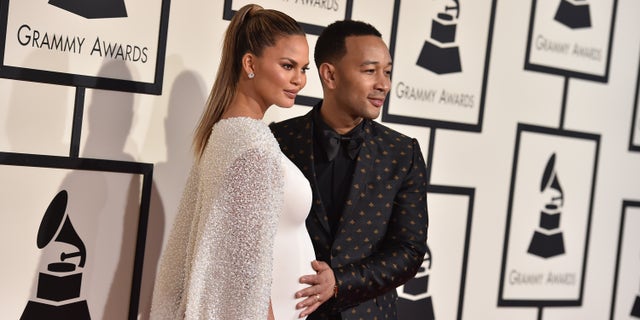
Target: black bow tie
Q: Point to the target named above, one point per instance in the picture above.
(332, 141)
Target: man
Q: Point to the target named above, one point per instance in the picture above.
(368, 222)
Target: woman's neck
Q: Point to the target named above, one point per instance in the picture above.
(243, 105)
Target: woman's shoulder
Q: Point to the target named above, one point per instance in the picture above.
(240, 134)
(242, 130)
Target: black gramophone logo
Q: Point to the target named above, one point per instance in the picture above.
(93, 9)
(574, 14)
(416, 300)
(58, 290)
(547, 240)
(635, 310)
(440, 53)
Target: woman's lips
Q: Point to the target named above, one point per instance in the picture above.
(291, 94)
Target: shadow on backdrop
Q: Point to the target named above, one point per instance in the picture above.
(186, 100)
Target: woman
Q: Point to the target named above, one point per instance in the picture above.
(244, 200)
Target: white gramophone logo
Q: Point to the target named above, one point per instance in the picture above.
(547, 241)
(58, 290)
(440, 53)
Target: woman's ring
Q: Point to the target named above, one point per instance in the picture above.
(318, 297)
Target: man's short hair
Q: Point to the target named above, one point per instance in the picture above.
(330, 46)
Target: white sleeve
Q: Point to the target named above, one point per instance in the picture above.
(167, 303)
(233, 256)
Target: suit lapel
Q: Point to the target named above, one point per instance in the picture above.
(307, 167)
(363, 168)
(361, 172)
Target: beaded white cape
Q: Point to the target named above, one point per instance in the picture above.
(217, 263)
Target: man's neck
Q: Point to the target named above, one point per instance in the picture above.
(337, 119)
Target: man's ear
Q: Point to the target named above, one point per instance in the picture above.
(248, 60)
(327, 75)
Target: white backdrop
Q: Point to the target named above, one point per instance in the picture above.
(473, 153)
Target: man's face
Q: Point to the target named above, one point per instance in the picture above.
(363, 77)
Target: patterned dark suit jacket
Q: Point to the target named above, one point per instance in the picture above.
(381, 238)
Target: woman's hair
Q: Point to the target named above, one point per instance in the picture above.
(330, 46)
(251, 29)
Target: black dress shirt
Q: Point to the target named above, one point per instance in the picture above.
(334, 176)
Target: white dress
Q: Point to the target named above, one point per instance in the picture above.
(239, 237)
(292, 251)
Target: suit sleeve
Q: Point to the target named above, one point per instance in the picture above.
(400, 254)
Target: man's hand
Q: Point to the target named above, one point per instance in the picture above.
(320, 288)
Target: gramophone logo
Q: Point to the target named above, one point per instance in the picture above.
(574, 14)
(416, 300)
(93, 9)
(58, 289)
(547, 240)
(635, 310)
(440, 53)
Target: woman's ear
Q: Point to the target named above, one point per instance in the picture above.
(327, 75)
(248, 60)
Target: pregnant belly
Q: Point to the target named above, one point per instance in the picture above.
(293, 253)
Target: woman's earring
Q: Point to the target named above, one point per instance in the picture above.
(251, 75)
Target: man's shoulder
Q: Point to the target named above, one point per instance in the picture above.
(291, 123)
(386, 133)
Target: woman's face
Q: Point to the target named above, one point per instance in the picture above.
(280, 72)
